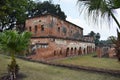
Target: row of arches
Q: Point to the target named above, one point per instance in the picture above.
(73, 51)
(70, 51)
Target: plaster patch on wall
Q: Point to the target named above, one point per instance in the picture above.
(60, 41)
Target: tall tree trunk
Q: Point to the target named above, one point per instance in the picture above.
(13, 66)
(115, 19)
(118, 39)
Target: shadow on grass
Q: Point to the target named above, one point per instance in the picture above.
(20, 76)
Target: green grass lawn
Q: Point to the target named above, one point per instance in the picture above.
(36, 71)
(89, 60)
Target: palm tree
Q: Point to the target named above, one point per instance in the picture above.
(13, 42)
(99, 10)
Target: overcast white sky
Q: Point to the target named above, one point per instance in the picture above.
(71, 10)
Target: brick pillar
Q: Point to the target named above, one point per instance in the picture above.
(99, 52)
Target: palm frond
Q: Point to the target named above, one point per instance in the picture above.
(13, 41)
(97, 10)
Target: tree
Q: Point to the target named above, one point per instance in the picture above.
(47, 7)
(13, 12)
(13, 42)
(102, 9)
(99, 9)
(110, 38)
(96, 37)
(92, 33)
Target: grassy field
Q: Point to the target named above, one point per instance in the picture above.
(89, 60)
(36, 71)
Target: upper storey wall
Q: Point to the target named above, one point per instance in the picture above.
(52, 26)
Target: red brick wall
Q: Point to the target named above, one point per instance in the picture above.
(53, 26)
(57, 46)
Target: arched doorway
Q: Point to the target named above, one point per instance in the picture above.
(75, 51)
(54, 53)
(60, 52)
(84, 52)
(79, 51)
(67, 52)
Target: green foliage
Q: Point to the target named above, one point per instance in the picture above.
(89, 60)
(37, 71)
(13, 42)
(99, 10)
(47, 7)
(111, 39)
(96, 37)
(92, 33)
(109, 42)
(12, 11)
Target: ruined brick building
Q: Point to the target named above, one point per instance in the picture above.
(53, 37)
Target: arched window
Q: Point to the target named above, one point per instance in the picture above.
(35, 28)
(67, 52)
(42, 27)
(71, 32)
(30, 28)
(58, 29)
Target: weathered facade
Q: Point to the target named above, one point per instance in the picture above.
(53, 37)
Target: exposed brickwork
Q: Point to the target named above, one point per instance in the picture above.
(106, 51)
(53, 27)
(112, 52)
(55, 38)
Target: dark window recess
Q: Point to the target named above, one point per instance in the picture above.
(35, 28)
(51, 24)
(76, 35)
(42, 27)
(30, 28)
(42, 45)
(58, 29)
(64, 30)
